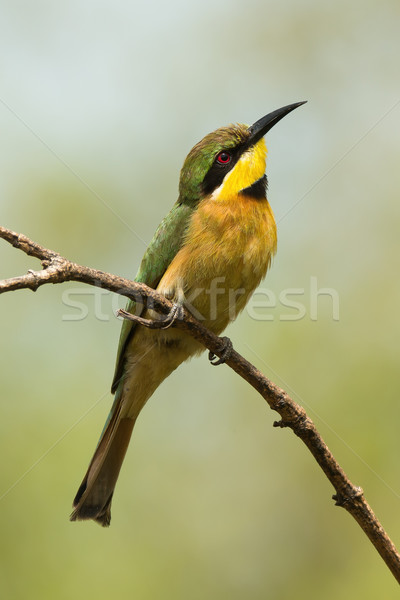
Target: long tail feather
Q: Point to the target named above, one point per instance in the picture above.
(93, 499)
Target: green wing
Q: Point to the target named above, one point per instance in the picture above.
(167, 241)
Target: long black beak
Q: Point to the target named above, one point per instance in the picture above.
(263, 125)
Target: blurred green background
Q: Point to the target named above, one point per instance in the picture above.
(99, 104)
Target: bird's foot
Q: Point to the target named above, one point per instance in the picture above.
(226, 351)
(175, 314)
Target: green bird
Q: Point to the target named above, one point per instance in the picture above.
(209, 254)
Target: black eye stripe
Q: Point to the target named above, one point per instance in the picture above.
(217, 171)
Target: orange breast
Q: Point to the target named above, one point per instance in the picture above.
(227, 251)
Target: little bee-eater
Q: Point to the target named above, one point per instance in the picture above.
(209, 254)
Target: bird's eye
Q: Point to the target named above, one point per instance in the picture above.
(224, 158)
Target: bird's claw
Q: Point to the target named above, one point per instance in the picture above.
(226, 351)
(175, 314)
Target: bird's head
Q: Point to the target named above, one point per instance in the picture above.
(229, 161)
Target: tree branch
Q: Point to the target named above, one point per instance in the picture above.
(57, 269)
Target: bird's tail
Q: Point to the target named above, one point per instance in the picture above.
(93, 499)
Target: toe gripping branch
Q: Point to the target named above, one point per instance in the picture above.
(175, 314)
(226, 351)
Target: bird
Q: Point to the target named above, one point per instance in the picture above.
(208, 255)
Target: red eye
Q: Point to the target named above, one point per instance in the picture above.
(224, 158)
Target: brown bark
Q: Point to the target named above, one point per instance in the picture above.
(56, 269)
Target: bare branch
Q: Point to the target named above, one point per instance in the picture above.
(57, 269)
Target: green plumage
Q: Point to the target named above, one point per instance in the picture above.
(165, 244)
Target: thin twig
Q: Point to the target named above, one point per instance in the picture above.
(57, 269)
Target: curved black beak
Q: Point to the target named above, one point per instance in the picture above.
(263, 125)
